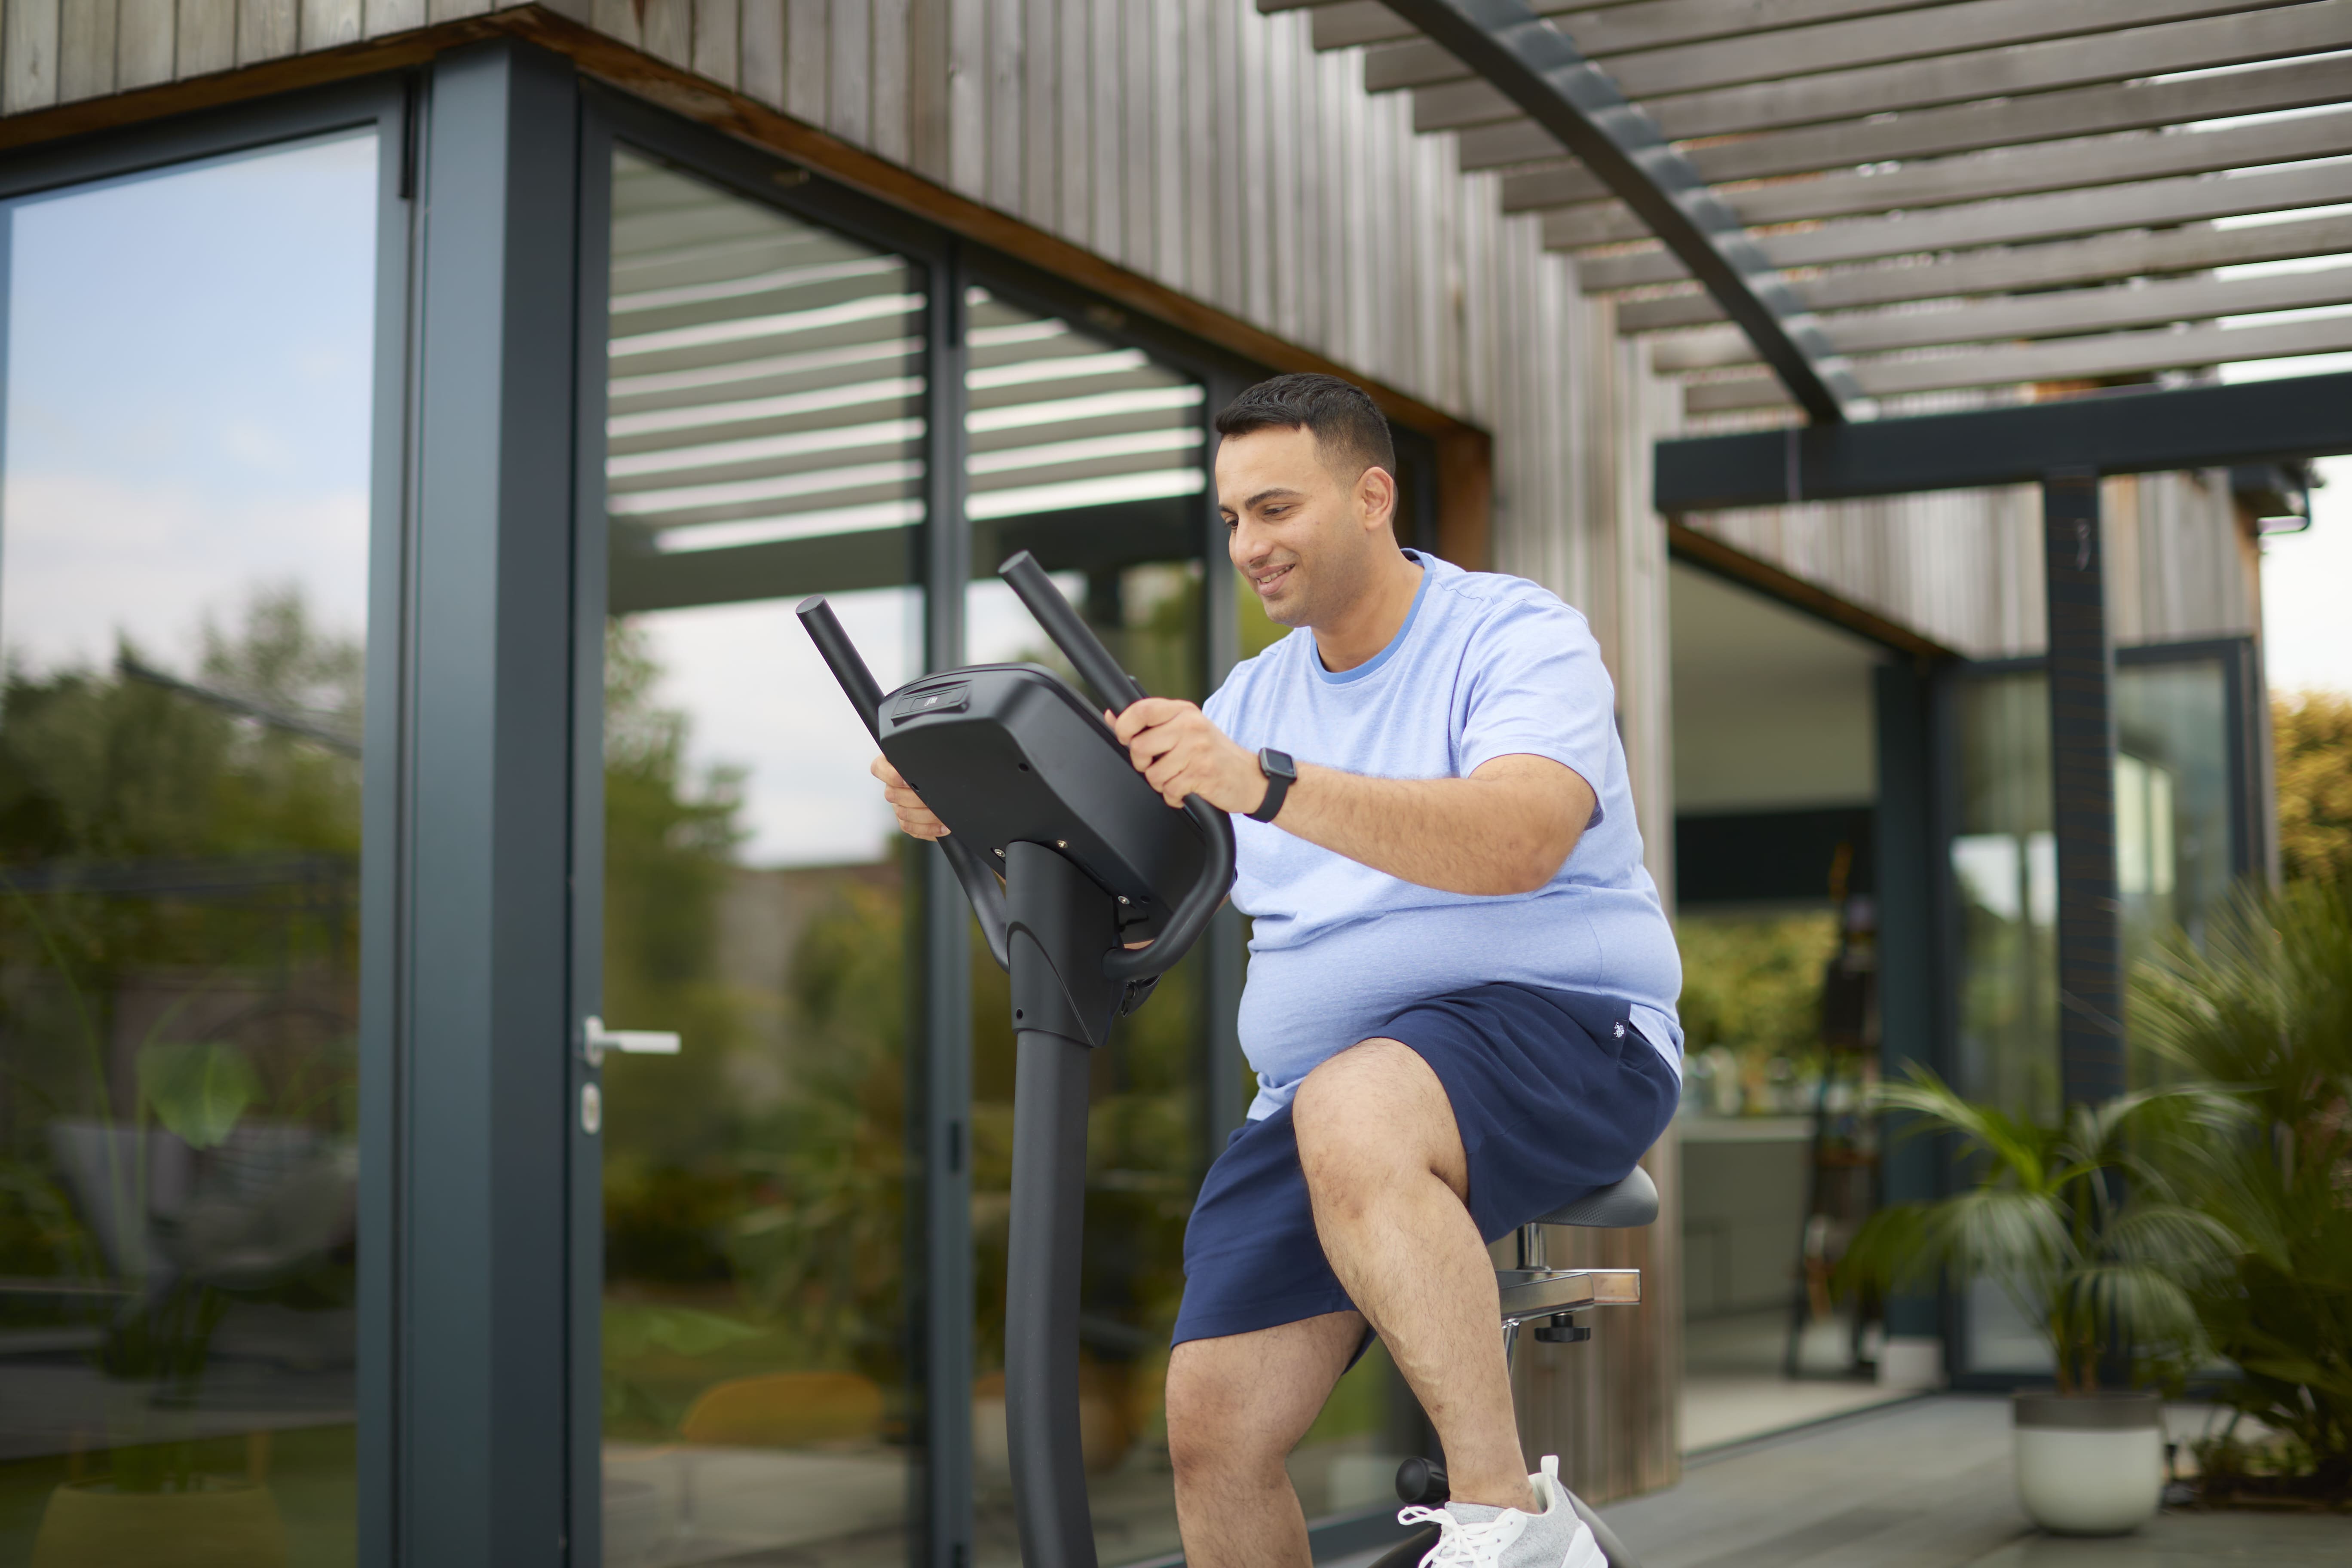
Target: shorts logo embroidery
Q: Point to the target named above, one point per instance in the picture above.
(1621, 1031)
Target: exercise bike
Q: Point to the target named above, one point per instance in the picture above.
(1103, 887)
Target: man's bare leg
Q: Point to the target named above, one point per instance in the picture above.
(1390, 1182)
(1236, 1406)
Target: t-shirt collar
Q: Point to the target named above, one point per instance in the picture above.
(1314, 654)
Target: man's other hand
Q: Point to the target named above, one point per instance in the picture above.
(1179, 753)
(915, 818)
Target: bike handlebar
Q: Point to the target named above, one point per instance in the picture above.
(1115, 688)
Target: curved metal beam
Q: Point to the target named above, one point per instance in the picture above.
(1534, 64)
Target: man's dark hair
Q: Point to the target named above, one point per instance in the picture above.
(1350, 433)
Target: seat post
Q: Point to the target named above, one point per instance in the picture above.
(1531, 1247)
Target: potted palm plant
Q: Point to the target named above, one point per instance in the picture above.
(2079, 1223)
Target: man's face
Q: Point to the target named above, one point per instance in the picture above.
(1301, 535)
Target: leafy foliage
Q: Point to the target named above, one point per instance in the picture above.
(2088, 1235)
(2266, 1008)
(1754, 984)
(2312, 735)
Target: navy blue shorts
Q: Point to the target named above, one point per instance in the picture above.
(1555, 1093)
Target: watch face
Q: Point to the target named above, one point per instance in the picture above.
(1274, 762)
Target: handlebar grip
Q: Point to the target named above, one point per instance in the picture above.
(1113, 687)
(840, 655)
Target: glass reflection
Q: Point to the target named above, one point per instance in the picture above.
(183, 602)
(764, 439)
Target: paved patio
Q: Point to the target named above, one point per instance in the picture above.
(1924, 1484)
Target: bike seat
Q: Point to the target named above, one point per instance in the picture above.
(1626, 1205)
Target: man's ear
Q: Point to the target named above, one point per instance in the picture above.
(1376, 493)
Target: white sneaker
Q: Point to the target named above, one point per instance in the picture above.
(1479, 1535)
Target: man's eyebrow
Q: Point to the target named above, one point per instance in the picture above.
(1268, 494)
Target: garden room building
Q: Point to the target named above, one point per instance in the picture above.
(417, 425)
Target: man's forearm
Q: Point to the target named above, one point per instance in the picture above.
(1504, 833)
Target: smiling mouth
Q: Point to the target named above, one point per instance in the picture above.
(1271, 578)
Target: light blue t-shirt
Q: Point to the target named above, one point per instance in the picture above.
(1486, 665)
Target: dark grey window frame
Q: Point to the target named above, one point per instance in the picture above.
(2245, 724)
(385, 105)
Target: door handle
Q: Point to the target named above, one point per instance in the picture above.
(596, 1040)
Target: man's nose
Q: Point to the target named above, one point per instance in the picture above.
(1246, 549)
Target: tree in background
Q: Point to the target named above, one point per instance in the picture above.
(2312, 734)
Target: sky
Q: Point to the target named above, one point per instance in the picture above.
(2307, 592)
(187, 403)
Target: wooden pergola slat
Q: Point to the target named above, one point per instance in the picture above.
(2135, 253)
(2068, 313)
(2059, 216)
(1979, 178)
(1727, 59)
(2308, 27)
(2081, 359)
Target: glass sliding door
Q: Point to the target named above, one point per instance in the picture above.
(764, 436)
(183, 598)
(2176, 861)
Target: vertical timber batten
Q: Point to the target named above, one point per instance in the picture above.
(2082, 792)
(484, 1413)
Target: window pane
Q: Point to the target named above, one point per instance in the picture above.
(2175, 860)
(183, 606)
(2005, 869)
(765, 443)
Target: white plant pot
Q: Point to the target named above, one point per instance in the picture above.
(2090, 1464)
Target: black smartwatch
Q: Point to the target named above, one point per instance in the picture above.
(1281, 773)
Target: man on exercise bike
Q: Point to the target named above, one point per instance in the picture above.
(1461, 989)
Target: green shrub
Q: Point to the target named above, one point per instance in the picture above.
(2267, 1009)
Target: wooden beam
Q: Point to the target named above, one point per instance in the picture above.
(1962, 78)
(1854, 37)
(2132, 430)
(2152, 204)
(2077, 359)
(1983, 176)
(2067, 313)
(2136, 252)
(1709, 554)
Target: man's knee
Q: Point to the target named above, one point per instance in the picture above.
(1214, 1437)
(1371, 1116)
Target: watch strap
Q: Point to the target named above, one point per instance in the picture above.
(1280, 771)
